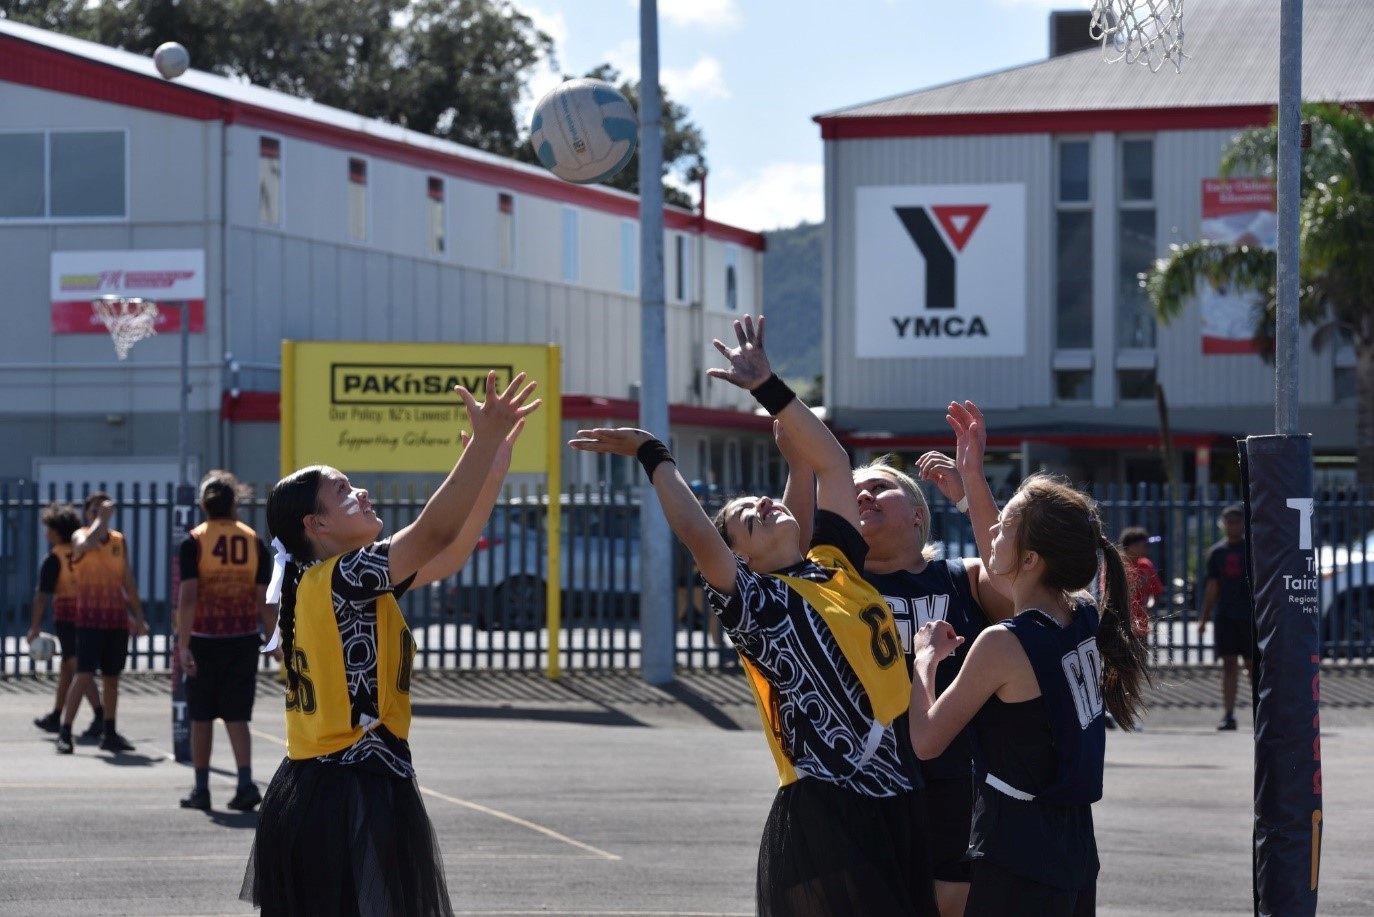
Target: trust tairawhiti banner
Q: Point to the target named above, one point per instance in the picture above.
(940, 271)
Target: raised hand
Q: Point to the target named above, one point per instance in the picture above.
(749, 366)
(940, 468)
(970, 437)
(499, 414)
(612, 441)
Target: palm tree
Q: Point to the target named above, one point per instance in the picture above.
(1336, 251)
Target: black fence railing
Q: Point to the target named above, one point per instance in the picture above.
(492, 614)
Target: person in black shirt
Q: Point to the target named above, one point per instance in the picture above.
(1035, 689)
(846, 834)
(1228, 594)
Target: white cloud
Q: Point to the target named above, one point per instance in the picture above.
(777, 196)
(710, 13)
(704, 78)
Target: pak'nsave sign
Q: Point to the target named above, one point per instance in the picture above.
(940, 271)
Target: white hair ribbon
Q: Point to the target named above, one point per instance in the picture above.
(279, 562)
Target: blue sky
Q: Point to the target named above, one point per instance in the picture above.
(752, 73)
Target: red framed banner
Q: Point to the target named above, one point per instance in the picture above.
(169, 278)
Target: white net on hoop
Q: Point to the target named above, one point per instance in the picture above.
(129, 320)
(1148, 32)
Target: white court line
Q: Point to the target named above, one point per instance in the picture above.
(486, 810)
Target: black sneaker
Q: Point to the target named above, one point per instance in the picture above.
(50, 723)
(246, 799)
(1227, 724)
(115, 742)
(94, 732)
(199, 799)
(65, 746)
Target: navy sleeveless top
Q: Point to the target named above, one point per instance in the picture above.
(939, 592)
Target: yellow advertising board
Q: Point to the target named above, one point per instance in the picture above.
(391, 407)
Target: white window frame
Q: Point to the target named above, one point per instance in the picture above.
(367, 197)
(570, 254)
(281, 180)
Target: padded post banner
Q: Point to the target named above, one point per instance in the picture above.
(184, 520)
(1276, 472)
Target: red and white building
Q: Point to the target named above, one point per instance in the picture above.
(278, 218)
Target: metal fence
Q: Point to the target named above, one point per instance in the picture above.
(492, 614)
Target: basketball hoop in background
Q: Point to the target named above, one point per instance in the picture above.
(1148, 32)
(129, 320)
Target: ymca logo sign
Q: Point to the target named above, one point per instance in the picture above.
(940, 271)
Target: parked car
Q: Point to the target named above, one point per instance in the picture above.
(504, 584)
(1344, 593)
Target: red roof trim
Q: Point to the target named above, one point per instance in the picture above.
(866, 127)
(265, 407)
(47, 68)
(57, 71)
(593, 407)
(1103, 440)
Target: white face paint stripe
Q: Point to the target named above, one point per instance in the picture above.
(350, 505)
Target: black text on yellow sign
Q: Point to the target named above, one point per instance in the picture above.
(407, 384)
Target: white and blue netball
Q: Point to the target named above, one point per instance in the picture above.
(584, 131)
(43, 647)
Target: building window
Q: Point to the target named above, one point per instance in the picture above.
(434, 209)
(357, 199)
(63, 175)
(731, 278)
(1073, 385)
(571, 252)
(629, 256)
(1135, 384)
(1074, 246)
(505, 230)
(682, 279)
(1135, 320)
(269, 181)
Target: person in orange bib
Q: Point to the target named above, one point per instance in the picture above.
(343, 828)
(225, 570)
(107, 609)
(57, 585)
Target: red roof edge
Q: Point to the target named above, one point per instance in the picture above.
(265, 407)
(866, 127)
(33, 65)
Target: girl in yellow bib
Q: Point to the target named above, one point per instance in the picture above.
(847, 831)
(342, 828)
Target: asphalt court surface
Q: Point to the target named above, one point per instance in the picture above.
(600, 795)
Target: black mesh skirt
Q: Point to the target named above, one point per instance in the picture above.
(335, 839)
(828, 851)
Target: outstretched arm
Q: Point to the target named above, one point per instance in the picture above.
(970, 432)
(812, 439)
(448, 509)
(450, 560)
(799, 493)
(87, 538)
(686, 518)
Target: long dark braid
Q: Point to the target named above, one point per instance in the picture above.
(295, 497)
(1061, 524)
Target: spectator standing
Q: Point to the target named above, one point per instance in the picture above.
(57, 585)
(107, 609)
(222, 611)
(1145, 583)
(1227, 597)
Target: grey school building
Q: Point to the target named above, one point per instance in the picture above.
(983, 240)
(275, 218)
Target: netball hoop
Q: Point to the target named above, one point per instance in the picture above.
(1148, 32)
(129, 320)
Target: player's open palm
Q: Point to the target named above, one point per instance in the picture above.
(970, 438)
(502, 410)
(611, 441)
(749, 366)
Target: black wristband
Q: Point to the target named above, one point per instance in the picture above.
(651, 454)
(773, 395)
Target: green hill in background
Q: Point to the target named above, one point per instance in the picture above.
(792, 300)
